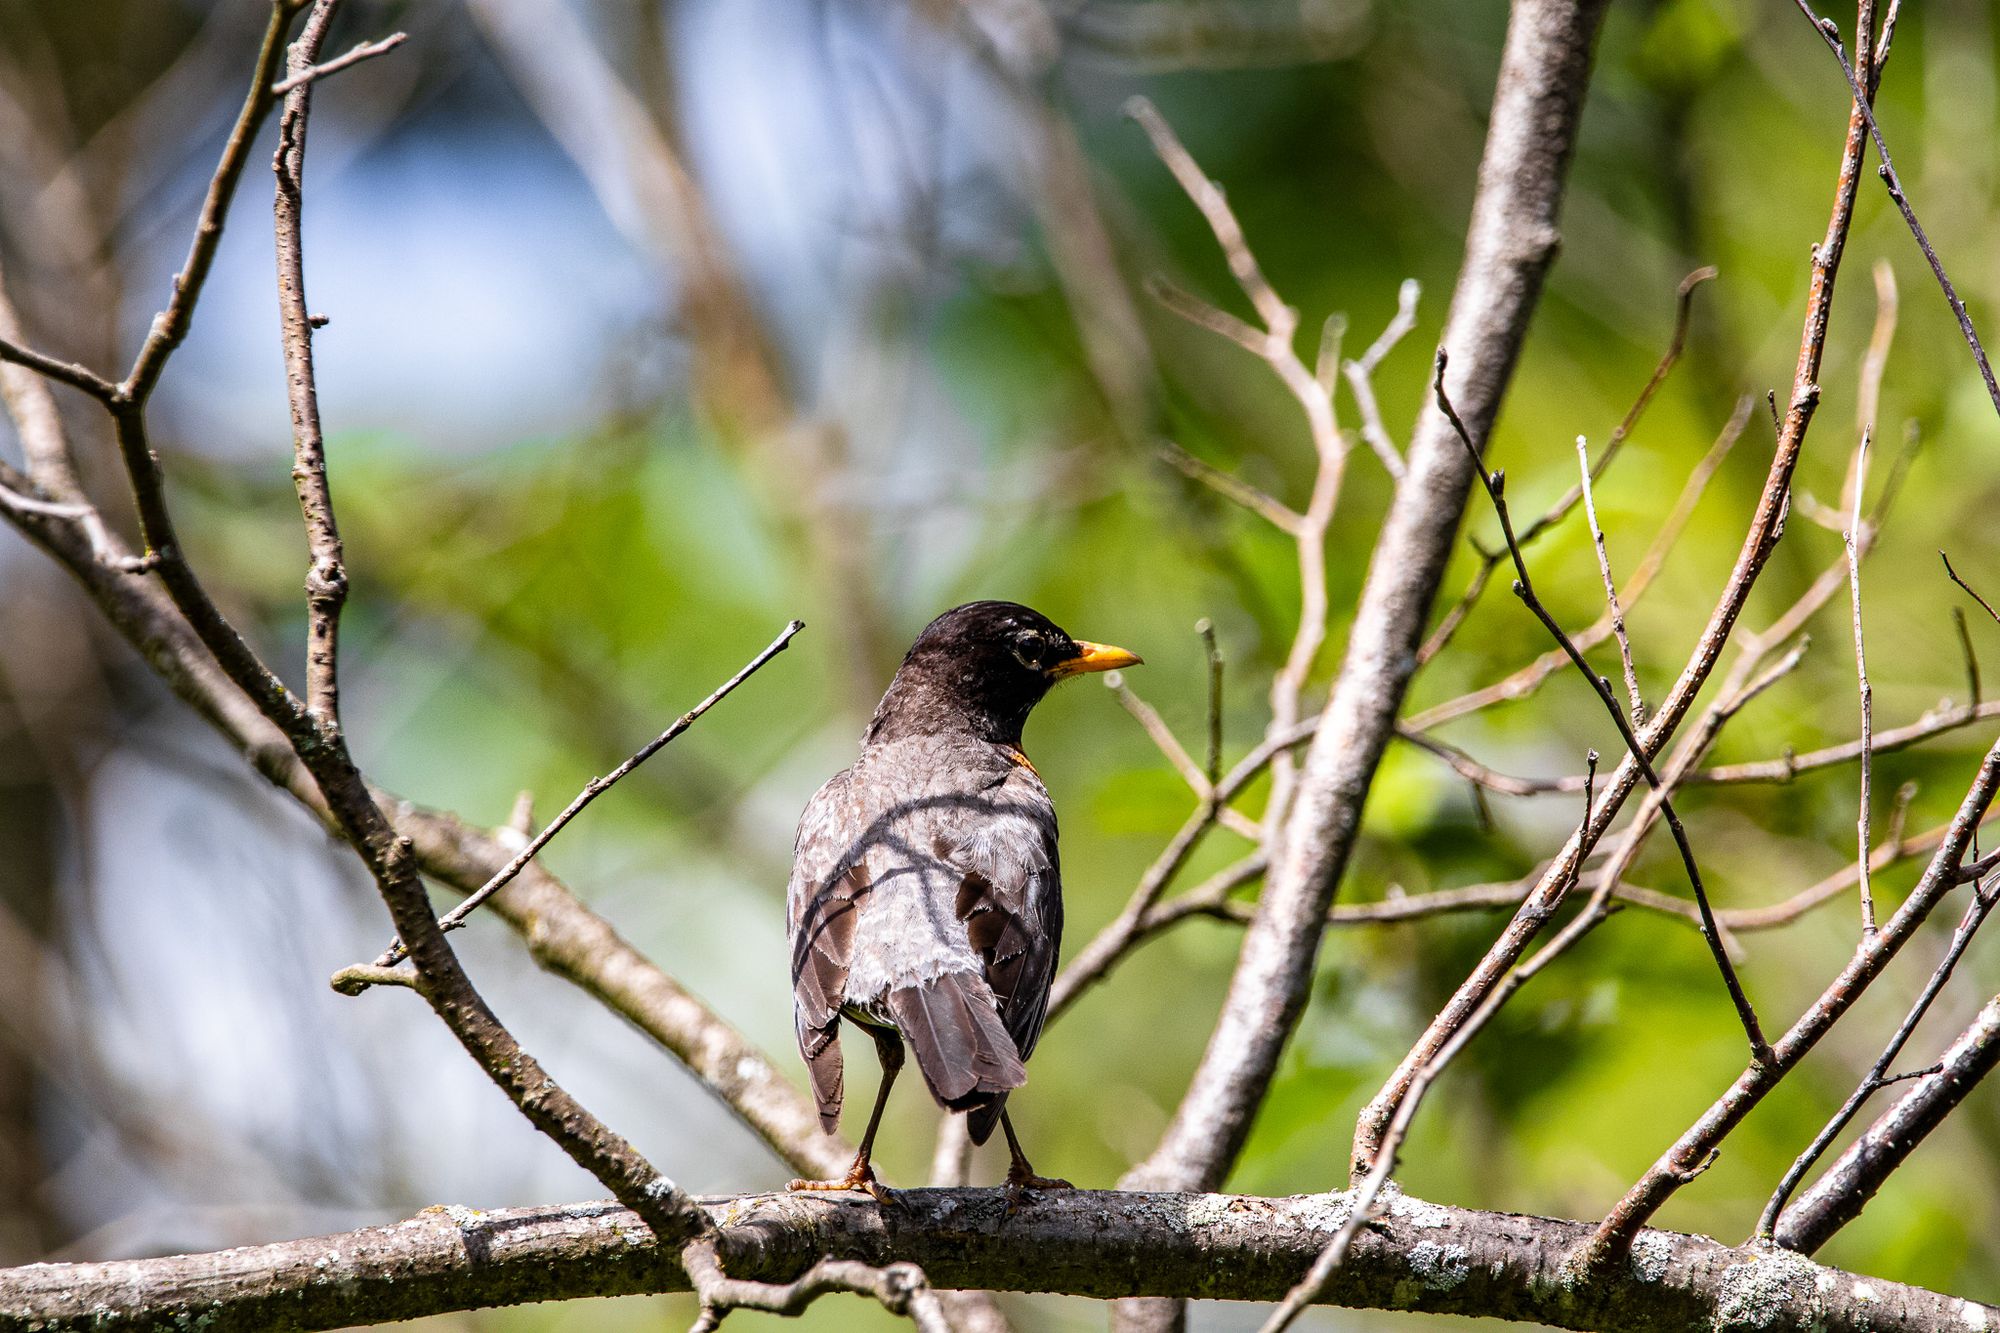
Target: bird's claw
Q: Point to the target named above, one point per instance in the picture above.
(860, 1180)
(1021, 1184)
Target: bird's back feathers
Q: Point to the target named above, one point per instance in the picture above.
(925, 893)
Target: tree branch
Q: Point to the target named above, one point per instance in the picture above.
(1766, 528)
(1829, 32)
(1490, 560)
(1511, 242)
(1414, 1256)
(1838, 1197)
(170, 326)
(454, 919)
(1940, 877)
(1878, 1076)
(326, 578)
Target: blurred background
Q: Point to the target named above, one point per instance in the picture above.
(657, 322)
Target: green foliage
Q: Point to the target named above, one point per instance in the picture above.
(526, 616)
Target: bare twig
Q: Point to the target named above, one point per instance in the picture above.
(1169, 745)
(326, 579)
(1878, 1076)
(591, 791)
(1790, 909)
(1789, 767)
(77, 377)
(1874, 364)
(170, 326)
(1279, 318)
(1829, 32)
(1212, 768)
(1612, 608)
(1234, 489)
(1966, 653)
(1781, 770)
(1525, 681)
(1490, 560)
(362, 51)
(1157, 731)
(17, 499)
(1952, 574)
(1360, 375)
(1864, 836)
(1491, 897)
(1524, 589)
(901, 1288)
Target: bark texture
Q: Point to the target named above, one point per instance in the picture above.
(1415, 1256)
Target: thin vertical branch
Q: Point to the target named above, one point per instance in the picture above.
(1874, 364)
(1970, 657)
(1213, 765)
(1616, 612)
(1864, 834)
(326, 578)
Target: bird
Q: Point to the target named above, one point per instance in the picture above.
(925, 901)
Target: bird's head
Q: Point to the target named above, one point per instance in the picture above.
(982, 667)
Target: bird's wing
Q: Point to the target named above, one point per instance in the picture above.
(1010, 899)
(820, 903)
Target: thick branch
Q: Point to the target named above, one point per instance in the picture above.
(1537, 105)
(1766, 528)
(1414, 1256)
(1838, 1197)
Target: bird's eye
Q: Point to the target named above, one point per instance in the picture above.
(1030, 650)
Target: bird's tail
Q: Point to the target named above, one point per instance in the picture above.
(981, 1119)
(965, 1052)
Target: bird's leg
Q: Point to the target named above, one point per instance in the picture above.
(861, 1176)
(1021, 1176)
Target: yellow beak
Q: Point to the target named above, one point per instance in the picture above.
(1096, 657)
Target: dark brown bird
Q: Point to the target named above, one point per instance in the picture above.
(926, 900)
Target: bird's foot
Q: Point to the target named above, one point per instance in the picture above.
(859, 1179)
(1022, 1182)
